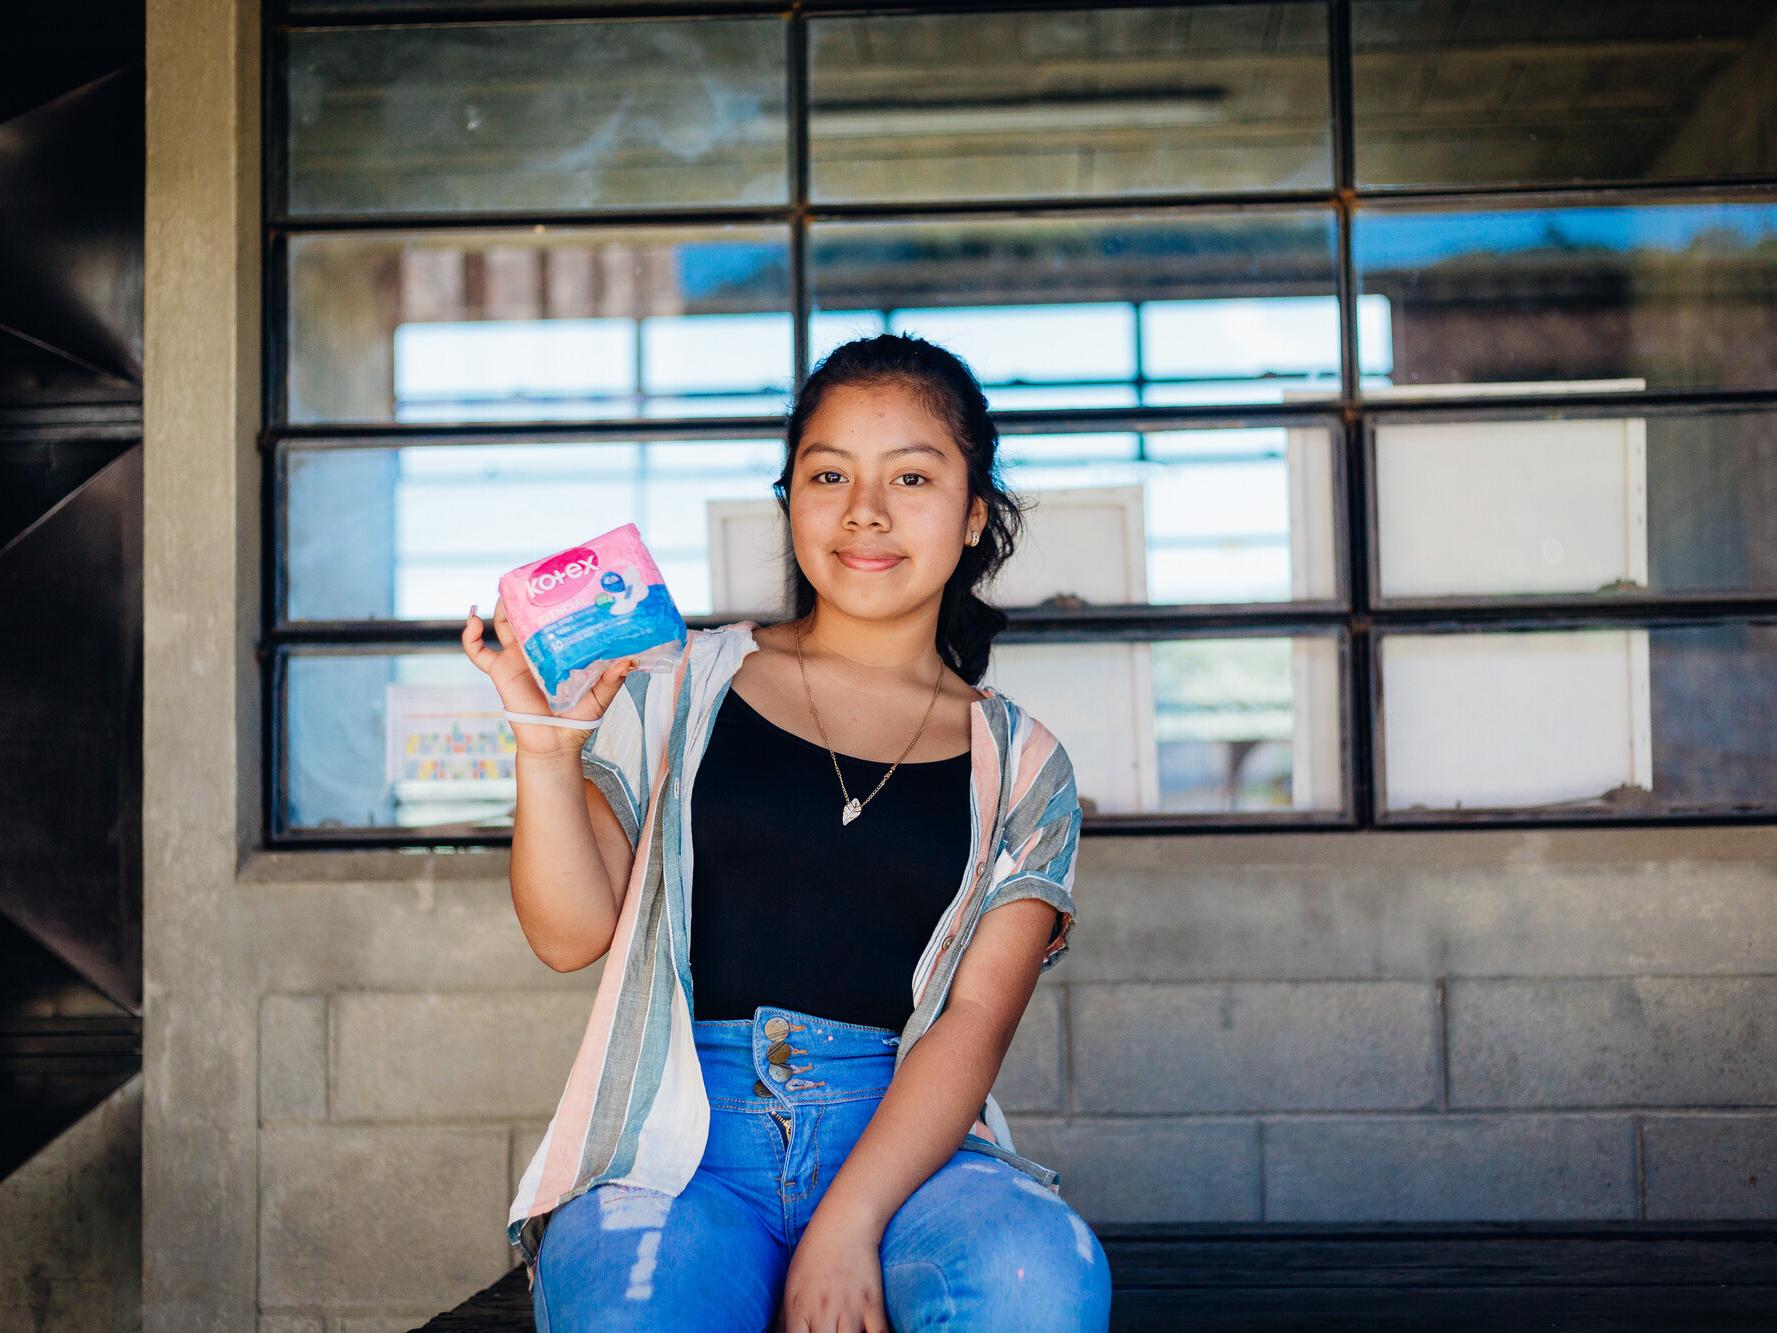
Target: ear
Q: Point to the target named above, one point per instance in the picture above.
(977, 514)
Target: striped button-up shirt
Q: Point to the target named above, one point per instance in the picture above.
(634, 1110)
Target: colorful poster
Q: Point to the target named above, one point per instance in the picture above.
(449, 741)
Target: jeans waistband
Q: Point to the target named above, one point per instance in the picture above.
(785, 1055)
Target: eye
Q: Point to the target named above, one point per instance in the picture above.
(918, 477)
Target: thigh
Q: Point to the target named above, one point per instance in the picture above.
(621, 1257)
(981, 1245)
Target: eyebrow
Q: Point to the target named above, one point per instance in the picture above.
(934, 451)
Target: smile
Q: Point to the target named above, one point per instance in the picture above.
(870, 566)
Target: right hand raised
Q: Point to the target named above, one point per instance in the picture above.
(519, 691)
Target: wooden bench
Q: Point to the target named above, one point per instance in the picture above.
(1491, 1277)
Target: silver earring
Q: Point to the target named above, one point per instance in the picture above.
(974, 539)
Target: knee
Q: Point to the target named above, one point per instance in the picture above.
(991, 1249)
(1072, 1274)
(1054, 1273)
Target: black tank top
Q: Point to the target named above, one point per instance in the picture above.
(789, 906)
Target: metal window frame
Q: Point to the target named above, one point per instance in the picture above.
(1357, 617)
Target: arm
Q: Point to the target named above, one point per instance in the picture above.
(835, 1276)
(936, 1095)
(591, 812)
(921, 1121)
(570, 862)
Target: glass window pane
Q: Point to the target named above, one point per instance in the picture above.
(1555, 300)
(537, 326)
(1554, 506)
(1110, 102)
(390, 740)
(548, 117)
(1460, 92)
(1207, 516)
(1089, 312)
(430, 528)
(1603, 721)
(1205, 726)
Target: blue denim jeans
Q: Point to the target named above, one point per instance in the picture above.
(979, 1245)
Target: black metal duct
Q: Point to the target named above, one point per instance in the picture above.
(71, 725)
(63, 1048)
(71, 178)
(71, 189)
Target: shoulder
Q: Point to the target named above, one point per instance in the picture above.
(1034, 752)
(1045, 757)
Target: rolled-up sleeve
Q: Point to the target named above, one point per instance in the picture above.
(1041, 838)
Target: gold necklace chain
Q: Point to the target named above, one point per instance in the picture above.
(853, 806)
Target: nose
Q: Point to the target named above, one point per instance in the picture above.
(865, 506)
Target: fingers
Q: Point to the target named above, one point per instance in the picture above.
(503, 626)
(474, 646)
(871, 1319)
(618, 672)
(605, 688)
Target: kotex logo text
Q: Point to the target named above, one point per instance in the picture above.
(559, 577)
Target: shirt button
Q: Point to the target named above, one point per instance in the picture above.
(948, 941)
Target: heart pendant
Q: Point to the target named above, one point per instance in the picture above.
(852, 810)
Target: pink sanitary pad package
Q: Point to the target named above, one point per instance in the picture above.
(578, 610)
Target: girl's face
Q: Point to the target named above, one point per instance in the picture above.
(879, 502)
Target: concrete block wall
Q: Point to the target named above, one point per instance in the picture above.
(410, 1053)
(1582, 1033)
(1245, 1029)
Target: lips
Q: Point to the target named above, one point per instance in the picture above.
(867, 562)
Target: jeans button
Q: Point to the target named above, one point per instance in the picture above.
(779, 1054)
(759, 1089)
(777, 1027)
(778, 1073)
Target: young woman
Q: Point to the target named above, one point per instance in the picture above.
(765, 1127)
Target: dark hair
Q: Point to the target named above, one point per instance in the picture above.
(948, 390)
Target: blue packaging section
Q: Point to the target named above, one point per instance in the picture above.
(593, 634)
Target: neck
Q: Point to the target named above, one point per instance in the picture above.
(875, 651)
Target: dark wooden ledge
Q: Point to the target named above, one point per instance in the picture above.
(1632, 1277)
